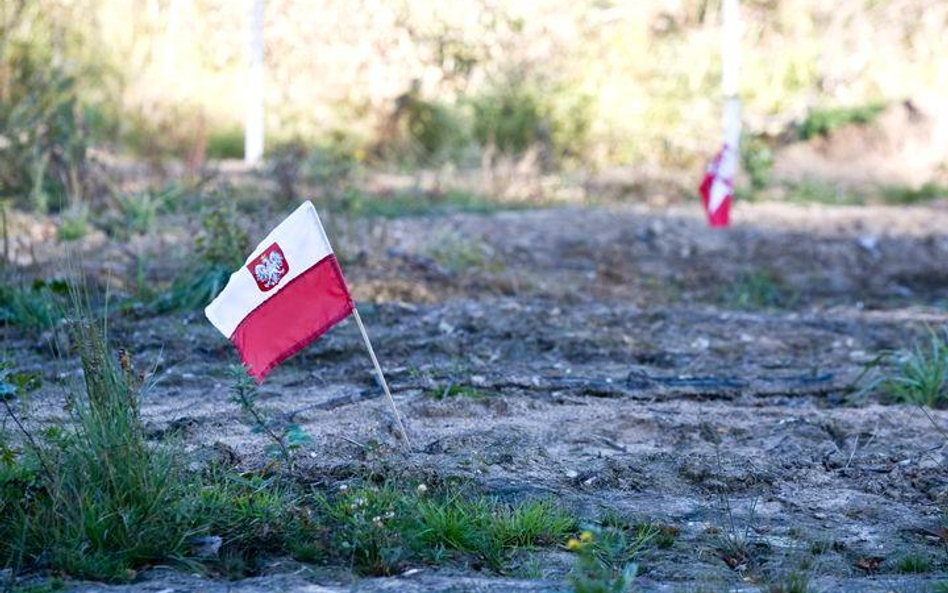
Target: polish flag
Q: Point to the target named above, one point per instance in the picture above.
(289, 292)
(717, 187)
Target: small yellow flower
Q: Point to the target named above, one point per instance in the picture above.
(585, 537)
(573, 544)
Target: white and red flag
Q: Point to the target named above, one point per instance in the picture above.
(717, 187)
(289, 292)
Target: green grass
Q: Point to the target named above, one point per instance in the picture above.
(758, 290)
(101, 501)
(824, 121)
(74, 225)
(137, 212)
(914, 564)
(225, 144)
(819, 192)
(900, 195)
(380, 529)
(458, 254)
(794, 582)
(34, 306)
(359, 204)
(453, 390)
(921, 377)
(219, 250)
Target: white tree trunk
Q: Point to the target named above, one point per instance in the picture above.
(254, 130)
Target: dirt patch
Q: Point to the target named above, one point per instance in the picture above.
(606, 364)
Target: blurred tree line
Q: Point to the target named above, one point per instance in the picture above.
(415, 83)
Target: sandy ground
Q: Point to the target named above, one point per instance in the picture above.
(616, 369)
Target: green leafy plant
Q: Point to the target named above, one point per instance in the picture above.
(219, 249)
(138, 212)
(286, 438)
(605, 559)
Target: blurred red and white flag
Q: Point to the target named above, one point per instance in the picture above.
(717, 187)
(289, 292)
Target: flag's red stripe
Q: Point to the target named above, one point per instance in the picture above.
(300, 312)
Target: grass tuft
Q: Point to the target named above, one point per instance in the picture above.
(758, 290)
(794, 582)
(914, 564)
(104, 503)
(34, 306)
(451, 390)
(220, 249)
(922, 375)
(378, 529)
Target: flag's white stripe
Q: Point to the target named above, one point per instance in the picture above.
(304, 243)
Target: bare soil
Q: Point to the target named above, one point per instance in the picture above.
(618, 369)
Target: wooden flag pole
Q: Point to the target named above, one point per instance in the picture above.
(378, 372)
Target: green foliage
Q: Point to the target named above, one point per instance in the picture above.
(914, 195)
(914, 564)
(370, 528)
(104, 502)
(794, 582)
(355, 203)
(453, 390)
(435, 130)
(515, 118)
(458, 254)
(509, 119)
(226, 143)
(488, 530)
(605, 557)
(44, 137)
(816, 192)
(36, 306)
(758, 290)
(378, 529)
(823, 122)
(219, 250)
(252, 516)
(330, 166)
(922, 374)
(74, 224)
(757, 159)
(286, 437)
(137, 212)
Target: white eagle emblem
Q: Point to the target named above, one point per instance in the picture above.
(270, 269)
